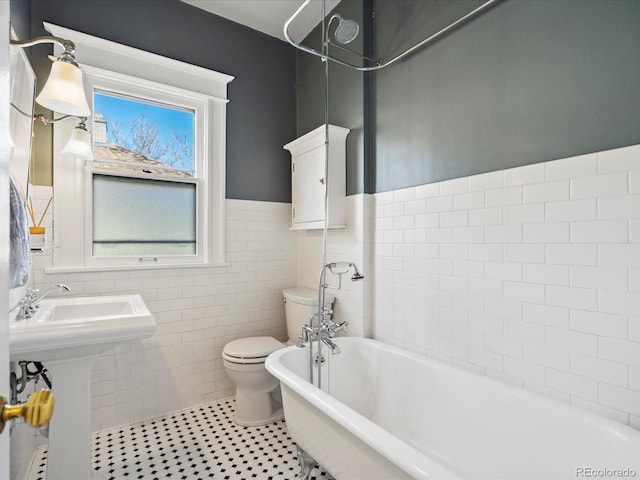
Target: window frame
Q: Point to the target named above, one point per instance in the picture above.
(73, 177)
(110, 82)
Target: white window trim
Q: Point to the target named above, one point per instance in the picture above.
(101, 60)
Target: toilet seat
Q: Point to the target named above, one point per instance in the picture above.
(250, 350)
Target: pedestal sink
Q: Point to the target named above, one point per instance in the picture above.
(66, 334)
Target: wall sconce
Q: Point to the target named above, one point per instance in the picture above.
(64, 90)
(79, 143)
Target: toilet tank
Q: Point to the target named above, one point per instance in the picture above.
(299, 305)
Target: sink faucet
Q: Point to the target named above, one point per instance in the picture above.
(58, 286)
(31, 301)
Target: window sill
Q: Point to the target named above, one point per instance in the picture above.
(133, 268)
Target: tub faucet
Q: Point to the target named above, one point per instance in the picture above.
(327, 327)
(332, 327)
(308, 335)
(31, 301)
(332, 346)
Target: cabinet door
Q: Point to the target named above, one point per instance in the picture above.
(308, 185)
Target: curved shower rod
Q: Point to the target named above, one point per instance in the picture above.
(380, 64)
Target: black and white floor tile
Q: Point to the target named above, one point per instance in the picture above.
(198, 443)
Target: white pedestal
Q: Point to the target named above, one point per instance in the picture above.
(69, 451)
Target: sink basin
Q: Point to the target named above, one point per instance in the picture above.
(67, 334)
(71, 327)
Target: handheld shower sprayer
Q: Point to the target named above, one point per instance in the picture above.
(339, 269)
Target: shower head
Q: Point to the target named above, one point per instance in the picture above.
(346, 31)
(356, 276)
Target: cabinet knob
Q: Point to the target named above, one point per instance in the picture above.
(321, 181)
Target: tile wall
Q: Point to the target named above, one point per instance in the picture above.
(530, 275)
(342, 245)
(198, 310)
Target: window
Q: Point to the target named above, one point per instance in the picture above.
(154, 194)
(145, 202)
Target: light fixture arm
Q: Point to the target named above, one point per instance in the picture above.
(20, 111)
(68, 45)
(67, 56)
(46, 121)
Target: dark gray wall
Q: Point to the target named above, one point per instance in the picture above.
(20, 13)
(526, 82)
(346, 94)
(261, 112)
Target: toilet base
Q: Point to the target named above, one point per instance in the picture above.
(277, 416)
(258, 408)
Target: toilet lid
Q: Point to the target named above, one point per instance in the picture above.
(252, 347)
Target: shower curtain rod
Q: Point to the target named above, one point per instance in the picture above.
(380, 64)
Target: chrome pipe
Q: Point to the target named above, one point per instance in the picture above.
(380, 65)
(353, 52)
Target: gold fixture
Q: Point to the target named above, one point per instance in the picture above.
(36, 412)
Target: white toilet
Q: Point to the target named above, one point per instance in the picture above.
(258, 399)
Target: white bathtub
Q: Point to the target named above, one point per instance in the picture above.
(390, 414)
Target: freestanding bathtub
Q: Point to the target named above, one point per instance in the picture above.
(389, 414)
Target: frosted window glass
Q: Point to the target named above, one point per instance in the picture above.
(135, 216)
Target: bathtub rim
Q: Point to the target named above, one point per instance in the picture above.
(408, 458)
(419, 465)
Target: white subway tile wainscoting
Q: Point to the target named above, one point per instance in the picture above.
(529, 275)
(198, 310)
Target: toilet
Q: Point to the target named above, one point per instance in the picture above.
(258, 399)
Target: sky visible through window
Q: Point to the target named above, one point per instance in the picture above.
(159, 132)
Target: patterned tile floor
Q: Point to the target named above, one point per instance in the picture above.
(198, 443)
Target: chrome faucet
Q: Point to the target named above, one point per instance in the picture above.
(325, 327)
(308, 335)
(332, 346)
(31, 301)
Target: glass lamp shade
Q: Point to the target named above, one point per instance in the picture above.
(64, 91)
(79, 144)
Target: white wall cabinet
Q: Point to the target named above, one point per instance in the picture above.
(308, 181)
